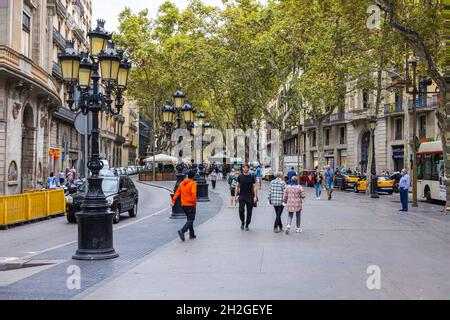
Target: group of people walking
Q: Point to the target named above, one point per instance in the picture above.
(282, 194)
(324, 180)
(289, 195)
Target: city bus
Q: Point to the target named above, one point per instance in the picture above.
(430, 171)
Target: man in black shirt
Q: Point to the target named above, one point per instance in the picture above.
(246, 193)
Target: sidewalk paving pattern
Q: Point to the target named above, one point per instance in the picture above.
(329, 260)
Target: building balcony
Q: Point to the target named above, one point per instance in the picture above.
(133, 127)
(56, 71)
(392, 108)
(80, 5)
(58, 39)
(61, 9)
(427, 103)
(120, 140)
(333, 119)
(79, 34)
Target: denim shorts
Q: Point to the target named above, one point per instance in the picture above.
(329, 185)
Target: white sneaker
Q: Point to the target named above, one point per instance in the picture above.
(318, 198)
(288, 228)
(299, 230)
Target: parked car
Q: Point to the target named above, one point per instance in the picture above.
(307, 178)
(120, 192)
(344, 181)
(384, 185)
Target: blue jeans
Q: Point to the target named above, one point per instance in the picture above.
(318, 188)
(404, 198)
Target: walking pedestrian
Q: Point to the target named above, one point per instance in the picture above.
(405, 182)
(52, 182)
(294, 196)
(232, 183)
(213, 176)
(276, 193)
(187, 190)
(318, 181)
(62, 177)
(329, 179)
(291, 174)
(259, 176)
(246, 192)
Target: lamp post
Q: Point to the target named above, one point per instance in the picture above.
(181, 109)
(373, 173)
(202, 185)
(95, 223)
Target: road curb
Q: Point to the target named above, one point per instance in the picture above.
(155, 185)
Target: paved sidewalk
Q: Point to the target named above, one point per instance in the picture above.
(329, 260)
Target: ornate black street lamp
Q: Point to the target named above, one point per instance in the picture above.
(373, 173)
(202, 185)
(183, 110)
(95, 222)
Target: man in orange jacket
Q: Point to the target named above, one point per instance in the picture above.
(188, 192)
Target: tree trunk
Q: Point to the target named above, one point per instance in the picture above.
(319, 140)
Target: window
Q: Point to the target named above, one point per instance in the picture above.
(342, 135)
(26, 22)
(327, 137)
(423, 127)
(398, 102)
(398, 129)
(313, 140)
(26, 38)
(365, 99)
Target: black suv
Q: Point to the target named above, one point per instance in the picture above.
(120, 192)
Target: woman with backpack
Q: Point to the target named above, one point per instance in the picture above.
(294, 196)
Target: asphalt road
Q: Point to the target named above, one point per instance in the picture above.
(32, 239)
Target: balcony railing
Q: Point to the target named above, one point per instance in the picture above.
(133, 127)
(61, 9)
(58, 39)
(80, 5)
(79, 34)
(56, 71)
(119, 139)
(334, 118)
(428, 102)
(390, 108)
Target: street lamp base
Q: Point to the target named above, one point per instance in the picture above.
(202, 192)
(92, 255)
(95, 236)
(374, 195)
(177, 210)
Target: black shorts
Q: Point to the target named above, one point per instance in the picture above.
(232, 192)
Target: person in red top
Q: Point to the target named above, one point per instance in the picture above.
(187, 190)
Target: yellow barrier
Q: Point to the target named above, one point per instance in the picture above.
(31, 206)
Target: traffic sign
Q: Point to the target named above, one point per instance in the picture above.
(83, 123)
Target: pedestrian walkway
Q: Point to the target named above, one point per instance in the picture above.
(329, 260)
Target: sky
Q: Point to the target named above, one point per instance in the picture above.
(110, 9)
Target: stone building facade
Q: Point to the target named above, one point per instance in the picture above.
(36, 130)
(346, 132)
(131, 134)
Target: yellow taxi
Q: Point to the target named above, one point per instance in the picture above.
(350, 182)
(384, 185)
